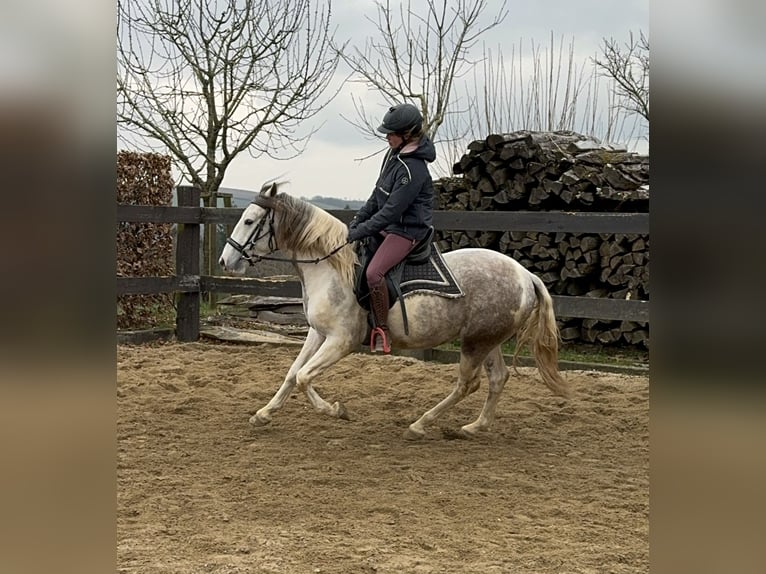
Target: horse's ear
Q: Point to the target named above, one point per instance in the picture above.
(267, 196)
(269, 189)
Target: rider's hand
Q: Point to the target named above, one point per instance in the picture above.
(355, 234)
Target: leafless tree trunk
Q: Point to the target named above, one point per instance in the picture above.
(629, 68)
(205, 80)
(418, 54)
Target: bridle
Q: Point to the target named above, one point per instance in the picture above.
(259, 233)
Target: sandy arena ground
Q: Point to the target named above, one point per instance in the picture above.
(555, 487)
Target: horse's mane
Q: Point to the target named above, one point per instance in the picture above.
(303, 227)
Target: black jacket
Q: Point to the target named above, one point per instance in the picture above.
(402, 201)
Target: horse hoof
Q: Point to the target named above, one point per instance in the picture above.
(342, 412)
(466, 432)
(259, 419)
(414, 434)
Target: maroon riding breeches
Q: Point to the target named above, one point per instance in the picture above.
(393, 250)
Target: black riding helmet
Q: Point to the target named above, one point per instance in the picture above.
(401, 119)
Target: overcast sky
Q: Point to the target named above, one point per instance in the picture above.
(330, 165)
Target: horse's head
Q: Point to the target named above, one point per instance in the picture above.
(253, 235)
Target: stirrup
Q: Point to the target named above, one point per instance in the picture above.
(379, 343)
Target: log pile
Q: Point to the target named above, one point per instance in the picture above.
(559, 171)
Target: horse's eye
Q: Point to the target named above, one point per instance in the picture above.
(248, 221)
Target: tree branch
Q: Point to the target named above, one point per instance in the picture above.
(207, 80)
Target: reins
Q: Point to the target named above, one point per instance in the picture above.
(284, 259)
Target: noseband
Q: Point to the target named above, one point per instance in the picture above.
(258, 233)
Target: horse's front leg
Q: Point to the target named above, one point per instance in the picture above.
(313, 341)
(332, 350)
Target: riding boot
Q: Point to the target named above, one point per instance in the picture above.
(379, 339)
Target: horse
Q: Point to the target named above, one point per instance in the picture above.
(501, 299)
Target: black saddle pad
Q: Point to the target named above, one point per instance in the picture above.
(433, 277)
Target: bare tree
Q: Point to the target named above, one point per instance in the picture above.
(629, 68)
(206, 80)
(506, 96)
(418, 54)
(538, 88)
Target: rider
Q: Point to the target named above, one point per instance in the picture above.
(400, 209)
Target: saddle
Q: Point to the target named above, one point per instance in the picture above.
(422, 271)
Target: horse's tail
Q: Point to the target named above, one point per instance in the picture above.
(541, 334)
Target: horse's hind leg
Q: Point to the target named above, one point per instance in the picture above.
(497, 373)
(467, 382)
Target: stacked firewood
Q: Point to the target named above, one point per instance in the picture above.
(559, 171)
(547, 171)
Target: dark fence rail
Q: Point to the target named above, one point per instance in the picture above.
(574, 222)
(188, 282)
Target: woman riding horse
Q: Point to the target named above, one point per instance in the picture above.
(501, 299)
(399, 209)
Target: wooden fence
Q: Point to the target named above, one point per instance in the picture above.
(189, 284)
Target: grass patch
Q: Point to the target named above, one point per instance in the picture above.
(582, 353)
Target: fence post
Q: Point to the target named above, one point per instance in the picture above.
(187, 269)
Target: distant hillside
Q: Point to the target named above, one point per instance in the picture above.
(241, 197)
(334, 202)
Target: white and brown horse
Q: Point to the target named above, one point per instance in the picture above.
(501, 300)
